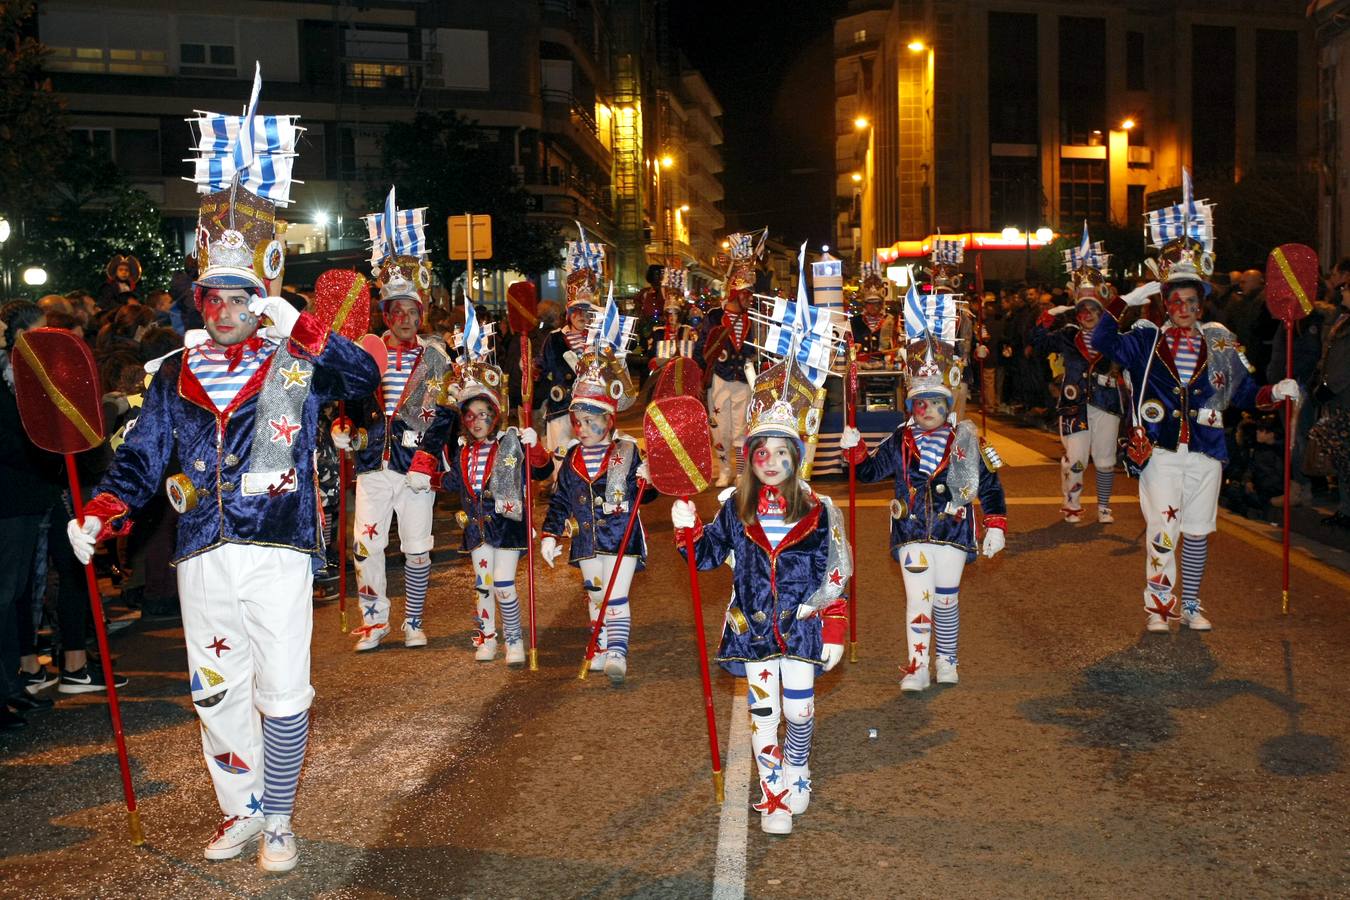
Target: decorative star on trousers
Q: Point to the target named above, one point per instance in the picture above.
(1154, 562)
(218, 645)
(911, 668)
(371, 530)
(1171, 513)
(920, 647)
(372, 610)
(255, 804)
(773, 801)
(283, 431)
(295, 376)
(1164, 609)
(764, 675)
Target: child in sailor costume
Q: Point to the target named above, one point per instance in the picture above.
(1089, 399)
(787, 619)
(487, 470)
(561, 355)
(597, 481)
(239, 412)
(940, 467)
(724, 350)
(672, 338)
(873, 330)
(392, 425)
(1184, 375)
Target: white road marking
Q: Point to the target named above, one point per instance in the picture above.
(729, 870)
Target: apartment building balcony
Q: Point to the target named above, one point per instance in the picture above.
(567, 118)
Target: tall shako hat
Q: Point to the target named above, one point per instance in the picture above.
(947, 256)
(585, 266)
(743, 251)
(398, 253)
(872, 286)
(933, 363)
(242, 165)
(603, 382)
(674, 287)
(1087, 267)
(476, 376)
(1183, 235)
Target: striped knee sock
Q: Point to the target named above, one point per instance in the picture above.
(797, 746)
(946, 623)
(1194, 555)
(1105, 481)
(618, 619)
(284, 740)
(510, 610)
(415, 581)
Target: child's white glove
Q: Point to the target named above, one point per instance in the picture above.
(549, 550)
(830, 654)
(850, 438)
(683, 514)
(994, 541)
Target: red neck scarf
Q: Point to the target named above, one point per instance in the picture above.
(1178, 337)
(771, 502)
(235, 352)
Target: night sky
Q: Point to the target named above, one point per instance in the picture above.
(771, 66)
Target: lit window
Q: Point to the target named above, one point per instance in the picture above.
(860, 35)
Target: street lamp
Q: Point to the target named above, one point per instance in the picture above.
(667, 161)
(861, 122)
(35, 276)
(1045, 235)
(1127, 124)
(857, 177)
(916, 46)
(1010, 234)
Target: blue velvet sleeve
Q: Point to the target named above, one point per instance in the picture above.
(438, 432)
(992, 500)
(1046, 341)
(452, 481)
(558, 510)
(883, 462)
(137, 469)
(1129, 348)
(715, 544)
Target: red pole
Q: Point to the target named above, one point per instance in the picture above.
(527, 416)
(696, 597)
(609, 588)
(105, 657)
(343, 478)
(1288, 458)
(851, 408)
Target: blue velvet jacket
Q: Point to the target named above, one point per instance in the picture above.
(484, 524)
(926, 498)
(384, 434)
(1087, 376)
(584, 500)
(729, 364)
(213, 448)
(768, 586)
(1173, 412)
(554, 388)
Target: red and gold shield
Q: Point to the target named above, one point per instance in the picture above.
(1291, 281)
(522, 306)
(60, 398)
(679, 452)
(342, 302)
(680, 377)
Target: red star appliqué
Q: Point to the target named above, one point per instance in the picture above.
(764, 675)
(371, 530)
(1220, 380)
(283, 430)
(836, 577)
(508, 507)
(960, 453)
(219, 646)
(1171, 513)
(919, 648)
(1165, 609)
(773, 801)
(911, 668)
(482, 564)
(427, 414)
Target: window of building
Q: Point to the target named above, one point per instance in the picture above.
(1082, 191)
(379, 58)
(1214, 120)
(1136, 78)
(1276, 126)
(208, 60)
(1014, 192)
(1013, 107)
(80, 41)
(136, 151)
(860, 35)
(99, 139)
(1082, 80)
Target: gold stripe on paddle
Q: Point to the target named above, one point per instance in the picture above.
(1294, 285)
(681, 455)
(345, 308)
(59, 400)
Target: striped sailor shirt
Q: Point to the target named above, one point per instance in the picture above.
(401, 363)
(931, 446)
(212, 367)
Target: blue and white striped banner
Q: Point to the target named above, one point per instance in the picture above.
(261, 149)
(1087, 253)
(474, 342)
(934, 314)
(585, 255)
(674, 278)
(741, 245)
(396, 232)
(1190, 218)
(609, 328)
(948, 251)
(269, 177)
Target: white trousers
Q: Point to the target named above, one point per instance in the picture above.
(595, 573)
(932, 574)
(781, 689)
(492, 566)
(1178, 494)
(1097, 444)
(729, 401)
(247, 619)
(379, 496)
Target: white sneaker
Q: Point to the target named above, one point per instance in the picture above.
(487, 651)
(371, 635)
(775, 816)
(515, 654)
(1104, 515)
(278, 851)
(1196, 621)
(413, 636)
(616, 666)
(798, 779)
(232, 836)
(1157, 624)
(598, 661)
(915, 682)
(946, 672)
(1073, 516)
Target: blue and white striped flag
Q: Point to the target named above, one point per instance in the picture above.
(1189, 218)
(244, 146)
(610, 329)
(585, 255)
(1086, 253)
(948, 251)
(474, 340)
(740, 245)
(396, 232)
(934, 314)
(261, 149)
(675, 278)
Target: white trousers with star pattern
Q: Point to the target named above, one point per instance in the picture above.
(729, 400)
(932, 574)
(248, 615)
(380, 495)
(1096, 444)
(780, 689)
(1178, 494)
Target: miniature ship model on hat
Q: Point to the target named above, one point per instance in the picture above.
(584, 263)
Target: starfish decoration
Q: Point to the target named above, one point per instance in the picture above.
(254, 804)
(295, 376)
(1222, 344)
(427, 414)
(372, 610)
(482, 564)
(1154, 562)
(371, 530)
(927, 597)
(911, 668)
(836, 577)
(772, 801)
(764, 675)
(218, 645)
(1171, 513)
(283, 430)
(1166, 609)
(277, 835)
(960, 453)
(508, 506)
(1220, 379)
(509, 461)
(920, 647)
(773, 777)
(802, 785)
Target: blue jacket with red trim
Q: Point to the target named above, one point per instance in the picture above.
(484, 524)
(1088, 380)
(599, 525)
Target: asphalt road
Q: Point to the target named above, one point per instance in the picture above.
(1079, 756)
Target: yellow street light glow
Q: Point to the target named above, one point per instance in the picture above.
(726, 245)
(861, 122)
(1010, 233)
(916, 46)
(1044, 235)
(35, 276)
(667, 161)
(684, 207)
(1127, 124)
(857, 177)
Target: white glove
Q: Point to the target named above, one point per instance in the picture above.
(570, 357)
(195, 337)
(1140, 295)
(804, 611)
(1287, 389)
(981, 352)
(283, 315)
(528, 437)
(1060, 310)
(418, 482)
(830, 654)
(549, 550)
(644, 474)
(83, 538)
(342, 438)
(683, 514)
(994, 541)
(850, 438)
(725, 494)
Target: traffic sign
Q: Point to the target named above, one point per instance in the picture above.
(470, 234)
